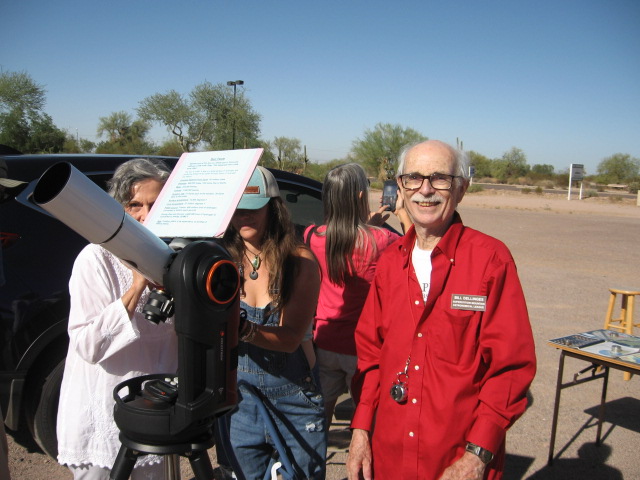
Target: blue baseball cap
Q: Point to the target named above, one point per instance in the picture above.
(261, 188)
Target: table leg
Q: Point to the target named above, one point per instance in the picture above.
(556, 407)
(603, 400)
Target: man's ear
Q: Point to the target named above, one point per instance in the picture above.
(462, 189)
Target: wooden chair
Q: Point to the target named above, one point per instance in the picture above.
(624, 322)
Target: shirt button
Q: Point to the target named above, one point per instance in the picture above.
(417, 302)
(411, 434)
(419, 335)
(414, 401)
(417, 367)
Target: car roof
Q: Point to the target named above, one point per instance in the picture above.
(29, 167)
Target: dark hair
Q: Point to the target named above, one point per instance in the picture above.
(345, 196)
(133, 171)
(280, 247)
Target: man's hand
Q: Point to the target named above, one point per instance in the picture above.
(467, 467)
(359, 459)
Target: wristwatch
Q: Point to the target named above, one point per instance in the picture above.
(485, 455)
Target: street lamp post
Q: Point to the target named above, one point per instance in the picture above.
(234, 84)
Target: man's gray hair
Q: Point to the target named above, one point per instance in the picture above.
(133, 171)
(461, 166)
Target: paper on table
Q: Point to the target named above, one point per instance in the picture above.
(202, 193)
(608, 349)
(631, 358)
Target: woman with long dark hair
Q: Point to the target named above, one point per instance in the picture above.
(280, 281)
(347, 247)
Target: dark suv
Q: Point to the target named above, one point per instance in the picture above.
(38, 253)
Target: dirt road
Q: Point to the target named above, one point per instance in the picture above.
(568, 254)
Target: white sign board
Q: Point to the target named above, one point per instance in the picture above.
(202, 193)
(577, 172)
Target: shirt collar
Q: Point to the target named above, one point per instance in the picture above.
(447, 244)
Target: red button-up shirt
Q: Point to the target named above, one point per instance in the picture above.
(469, 370)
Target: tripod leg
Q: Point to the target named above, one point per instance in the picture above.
(201, 465)
(172, 467)
(124, 463)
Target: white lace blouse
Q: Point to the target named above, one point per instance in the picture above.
(106, 348)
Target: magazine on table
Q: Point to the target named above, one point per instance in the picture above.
(607, 343)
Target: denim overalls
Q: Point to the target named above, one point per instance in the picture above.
(292, 397)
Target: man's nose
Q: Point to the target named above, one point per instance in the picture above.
(426, 187)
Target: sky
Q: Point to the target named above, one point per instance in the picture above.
(559, 80)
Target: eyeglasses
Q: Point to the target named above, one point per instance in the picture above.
(439, 181)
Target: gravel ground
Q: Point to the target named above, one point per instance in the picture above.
(568, 254)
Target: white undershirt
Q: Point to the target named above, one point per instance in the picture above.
(421, 260)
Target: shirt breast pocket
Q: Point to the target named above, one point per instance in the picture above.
(454, 337)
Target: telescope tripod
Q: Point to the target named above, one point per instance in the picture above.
(195, 452)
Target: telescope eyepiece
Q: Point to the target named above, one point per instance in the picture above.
(159, 307)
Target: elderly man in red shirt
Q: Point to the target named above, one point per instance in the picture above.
(445, 348)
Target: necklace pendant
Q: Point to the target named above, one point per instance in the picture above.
(253, 275)
(255, 263)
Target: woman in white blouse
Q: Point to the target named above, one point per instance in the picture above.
(110, 340)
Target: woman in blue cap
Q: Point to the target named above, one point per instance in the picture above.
(280, 285)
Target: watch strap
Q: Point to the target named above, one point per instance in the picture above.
(483, 454)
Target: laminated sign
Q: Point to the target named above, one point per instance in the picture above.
(202, 193)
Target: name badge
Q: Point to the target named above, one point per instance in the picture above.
(476, 303)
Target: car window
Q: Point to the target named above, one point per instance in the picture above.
(304, 204)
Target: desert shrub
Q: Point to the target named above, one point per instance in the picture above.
(525, 190)
(539, 190)
(615, 199)
(475, 188)
(633, 187)
(590, 194)
(525, 181)
(600, 188)
(488, 180)
(548, 184)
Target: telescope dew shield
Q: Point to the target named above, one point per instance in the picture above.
(71, 197)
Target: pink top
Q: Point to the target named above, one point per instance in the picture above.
(339, 306)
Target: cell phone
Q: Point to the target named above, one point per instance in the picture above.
(390, 194)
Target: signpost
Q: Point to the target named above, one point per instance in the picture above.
(576, 173)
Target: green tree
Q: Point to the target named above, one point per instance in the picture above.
(23, 124)
(124, 135)
(379, 148)
(170, 148)
(208, 115)
(618, 168)
(481, 163)
(513, 164)
(20, 93)
(543, 170)
(72, 144)
(287, 153)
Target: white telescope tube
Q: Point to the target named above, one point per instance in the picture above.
(67, 194)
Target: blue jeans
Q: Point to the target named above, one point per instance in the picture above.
(286, 387)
